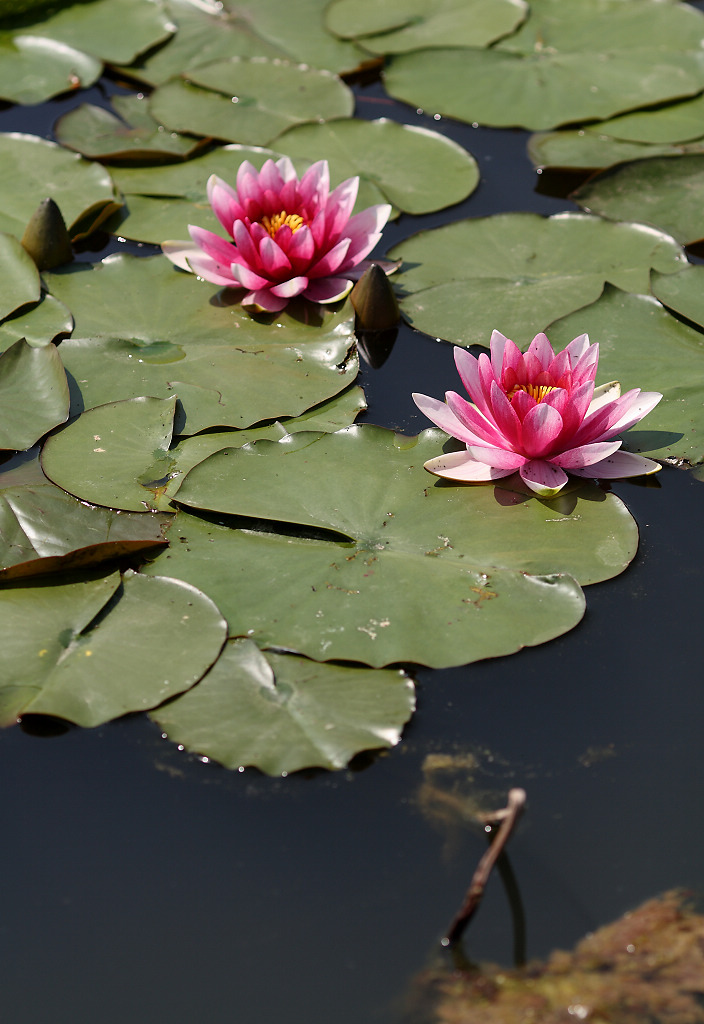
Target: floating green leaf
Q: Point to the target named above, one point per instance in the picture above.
(517, 272)
(98, 455)
(96, 28)
(570, 61)
(168, 334)
(19, 277)
(33, 69)
(205, 33)
(407, 568)
(414, 169)
(83, 191)
(250, 101)
(667, 192)
(44, 322)
(402, 25)
(584, 149)
(642, 346)
(683, 292)
(33, 394)
(674, 122)
(281, 713)
(43, 529)
(134, 135)
(92, 649)
(118, 455)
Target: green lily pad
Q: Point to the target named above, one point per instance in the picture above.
(98, 29)
(249, 101)
(168, 334)
(683, 292)
(132, 136)
(666, 192)
(163, 201)
(568, 62)
(92, 649)
(407, 568)
(83, 191)
(33, 69)
(675, 122)
(402, 25)
(643, 346)
(281, 713)
(205, 33)
(34, 394)
(96, 455)
(43, 529)
(517, 272)
(119, 455)
(414, 169)
(19, 277)
(48, 320)
(587, 150)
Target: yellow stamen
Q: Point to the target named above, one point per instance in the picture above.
(272, 224)
(538, 392)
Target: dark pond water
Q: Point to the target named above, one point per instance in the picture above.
(143, 885)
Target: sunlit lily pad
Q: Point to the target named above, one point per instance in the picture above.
(98, 29)
(43, 529)
(281, 713)
(683, 292)
(643, 346)
(163, 201)
(33, 69)
(119, 455)
(431, 572)
(96, 455)
(402, 25)
(414, 169)
(205, 33)
(249, 101)
(34, 394)
(163, 332)
(83, 191)
(568, 62)
(667, 192)
(129, 135)
(517, 272)
(19, 277)
(585, 149)
(212, 31)
(48, 320)
(94, 649)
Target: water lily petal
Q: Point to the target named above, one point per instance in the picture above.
(442, 416)
(213, 245)
(619, 465)
(247, 278)
(541, 428)
(262, 301)
(604, 394)
(364, 230)
(543, 478)
(497, 346)
(542, 350)
(288, 289)
(331, 261)
(339, 206)
(499, 458)
(461, 466)
(585, 455)
(206, 267)
(505, 417)
(328, 289)
(179, 252)
(483, 428)
(315, 184)
(274, 260)
(245, 248)
(224, 202)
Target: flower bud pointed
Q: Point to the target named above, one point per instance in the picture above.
(46, 237)
(374, 301)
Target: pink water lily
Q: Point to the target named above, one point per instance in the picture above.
(288, 237)
(539, 414)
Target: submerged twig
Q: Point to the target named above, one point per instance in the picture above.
(508, 817)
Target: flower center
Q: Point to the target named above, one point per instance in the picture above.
(272, 224)
(536, 391)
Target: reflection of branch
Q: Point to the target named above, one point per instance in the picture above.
(508, 817)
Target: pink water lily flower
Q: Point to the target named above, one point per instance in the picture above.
(289, 237)
(537, 413)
